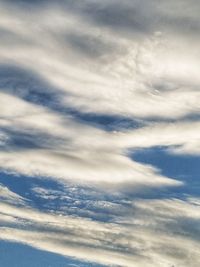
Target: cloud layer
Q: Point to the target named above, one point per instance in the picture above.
(83, 84)
(140, 238)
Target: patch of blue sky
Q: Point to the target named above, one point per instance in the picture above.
(182, 167)
(49, 195)
(20, 255)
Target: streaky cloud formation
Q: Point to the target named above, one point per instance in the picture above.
(95, 155)
(83, 86)
(141, 238)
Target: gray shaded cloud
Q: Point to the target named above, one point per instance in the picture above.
(140, 237)
(142, 17)
(90, 46)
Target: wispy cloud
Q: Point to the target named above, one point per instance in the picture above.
(142, 238)
(8, 196)
(74, 150)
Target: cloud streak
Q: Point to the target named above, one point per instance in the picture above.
(141, 239)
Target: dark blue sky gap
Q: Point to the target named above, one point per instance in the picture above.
(185, 168)
(69, 198)
(19, 255)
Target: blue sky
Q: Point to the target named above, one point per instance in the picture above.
(23, 255)
(99, 133)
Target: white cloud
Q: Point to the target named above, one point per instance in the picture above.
(156, 75)
(93, 156)
(143, 240)
(180, 137)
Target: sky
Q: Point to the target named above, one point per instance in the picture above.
(99, 133)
